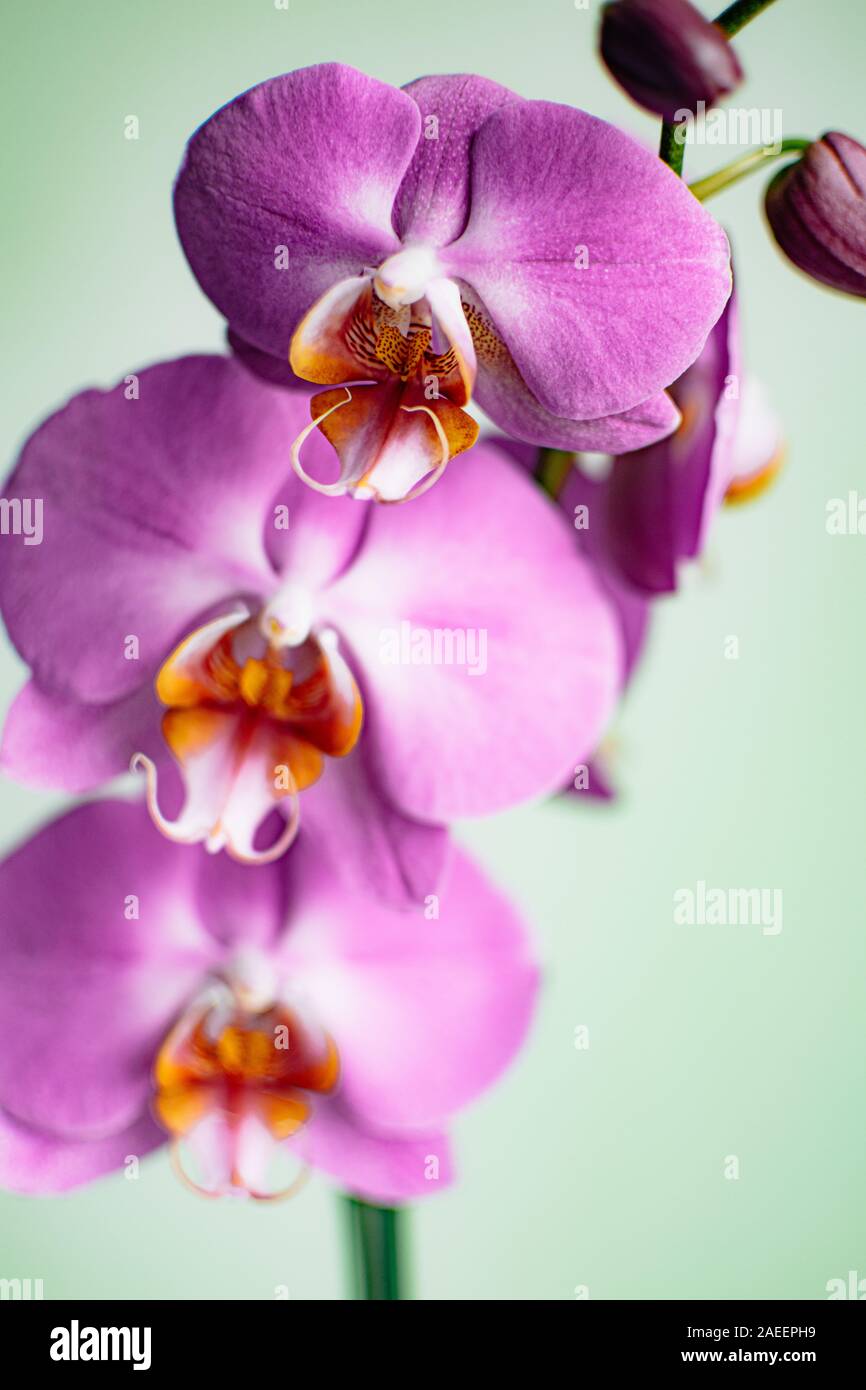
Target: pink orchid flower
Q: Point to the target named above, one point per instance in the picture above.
(408, 248)
(193, 604)
(638, 517)
(759, 445)
(660, 502)
(255, 1020)
(583, 499)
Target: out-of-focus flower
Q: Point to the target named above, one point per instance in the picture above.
(256, 1020)
(584, 499)
(180, 550)
(667, 56)
(404, 248)
(661, 500)
(637, 517)
(759, 446)
(750, 461)
(655, 508)
(816, 208)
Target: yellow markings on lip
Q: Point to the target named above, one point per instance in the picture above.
(176, 684)
(246, 1053)
(244, 1064)
(179, 1107)
(227, 1066)
(261, 683)
(189, 731)
(265, 684)
(305, 763)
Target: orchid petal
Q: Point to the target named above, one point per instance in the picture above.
(290, 188)
(602, 272)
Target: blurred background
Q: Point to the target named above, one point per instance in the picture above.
(596, 1170)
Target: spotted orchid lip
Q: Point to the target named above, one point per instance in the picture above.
(253, 707)
(397, 344)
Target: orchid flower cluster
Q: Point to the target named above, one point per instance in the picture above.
(276, 958)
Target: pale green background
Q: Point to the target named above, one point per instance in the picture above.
(603, 1167)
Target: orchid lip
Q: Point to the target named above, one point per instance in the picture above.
(395, 348)
(364, 488)
(253, 707)
(235, 1077)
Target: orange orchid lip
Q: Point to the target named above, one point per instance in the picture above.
(227, 1074)
(249, 720)
(397, 420)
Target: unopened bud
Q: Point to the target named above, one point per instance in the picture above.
(667, 56)
(817, 211)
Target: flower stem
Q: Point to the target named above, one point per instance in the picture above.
(739, 168)
(739, 14)
(672, 146)
(552, 469)
(376, 1238)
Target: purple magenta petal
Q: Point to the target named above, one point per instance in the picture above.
(552, 186)
(432, 204)
(321, 534)
(632, 606)
(274, 370)
(383, 1168)
(52, 741)
(156, 510)
(426, 1008)
(310, 162)
(389, 855)
(661, 500)
(502, 393)
(87, 988)
(240, 906)
(34, 1162)
(488, 562)
(598, 785)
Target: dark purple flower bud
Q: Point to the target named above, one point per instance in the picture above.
(667, 56)
(817, 211)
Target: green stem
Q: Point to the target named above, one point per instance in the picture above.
(672, 146)
(552, 469)
(738, 15)
(376, 1237)
(739, 168)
